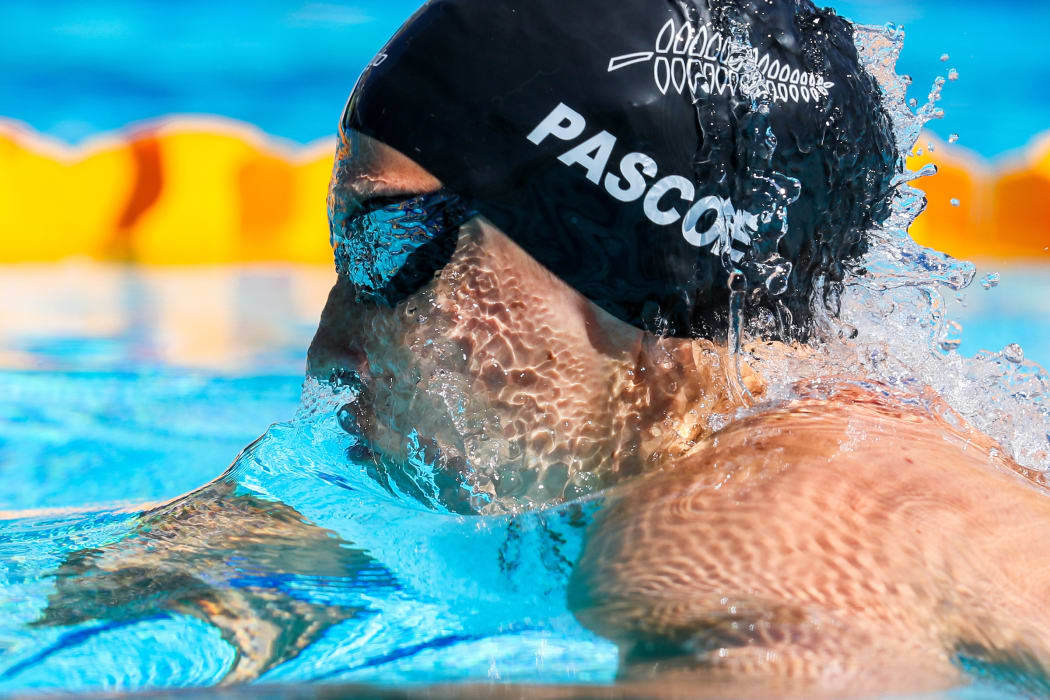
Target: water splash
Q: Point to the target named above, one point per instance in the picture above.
(894, 322)
(764, 272)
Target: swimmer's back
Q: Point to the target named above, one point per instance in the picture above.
(840, 544)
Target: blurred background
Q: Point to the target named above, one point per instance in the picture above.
(163, 238)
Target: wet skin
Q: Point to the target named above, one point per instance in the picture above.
(852, 541)
(849, 542)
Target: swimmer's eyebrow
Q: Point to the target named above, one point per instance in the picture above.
(373, 172)
(363, 183)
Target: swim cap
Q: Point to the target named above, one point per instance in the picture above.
(645, 150)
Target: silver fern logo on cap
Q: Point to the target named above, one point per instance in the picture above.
(707, 63)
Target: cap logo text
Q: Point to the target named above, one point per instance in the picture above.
(708, 222)
(701, 59)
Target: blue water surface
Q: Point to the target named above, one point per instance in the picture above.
(384, 590)
(98, 429)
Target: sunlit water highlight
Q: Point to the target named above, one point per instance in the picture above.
(298, 537)
(384, 589)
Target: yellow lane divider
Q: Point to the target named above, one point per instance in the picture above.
(192, 191)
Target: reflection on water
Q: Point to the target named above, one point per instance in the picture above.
(294, 566)
(232, 560)
(129, 384)
(242, 320)
(254, 320)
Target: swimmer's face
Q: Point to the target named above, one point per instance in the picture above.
(519, 387)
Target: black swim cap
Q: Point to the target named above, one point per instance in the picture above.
(644, 150)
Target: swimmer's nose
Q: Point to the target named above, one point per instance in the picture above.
(328, 357)
(334, 348)
(323, 365)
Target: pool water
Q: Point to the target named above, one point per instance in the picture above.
(122, 399)
(130, 385)
(123, 386)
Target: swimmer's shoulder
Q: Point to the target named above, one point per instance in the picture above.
(841, 423)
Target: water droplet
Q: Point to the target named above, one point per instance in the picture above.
(913, 103)
(919, 152)
(930, 147)
(953, 138)
(928, 170)
(580, 485)
(348, 419)
(991, 281)
(952, 338)
(955, 202)
(777, 282)
(953, 75)
(1014, 353)
(945, 57)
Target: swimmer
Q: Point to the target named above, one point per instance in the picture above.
(535, 276)
(539, 208)
(542, 212)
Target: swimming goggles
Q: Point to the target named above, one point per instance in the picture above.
(390, 247)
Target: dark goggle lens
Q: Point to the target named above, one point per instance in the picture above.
(390, 248)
